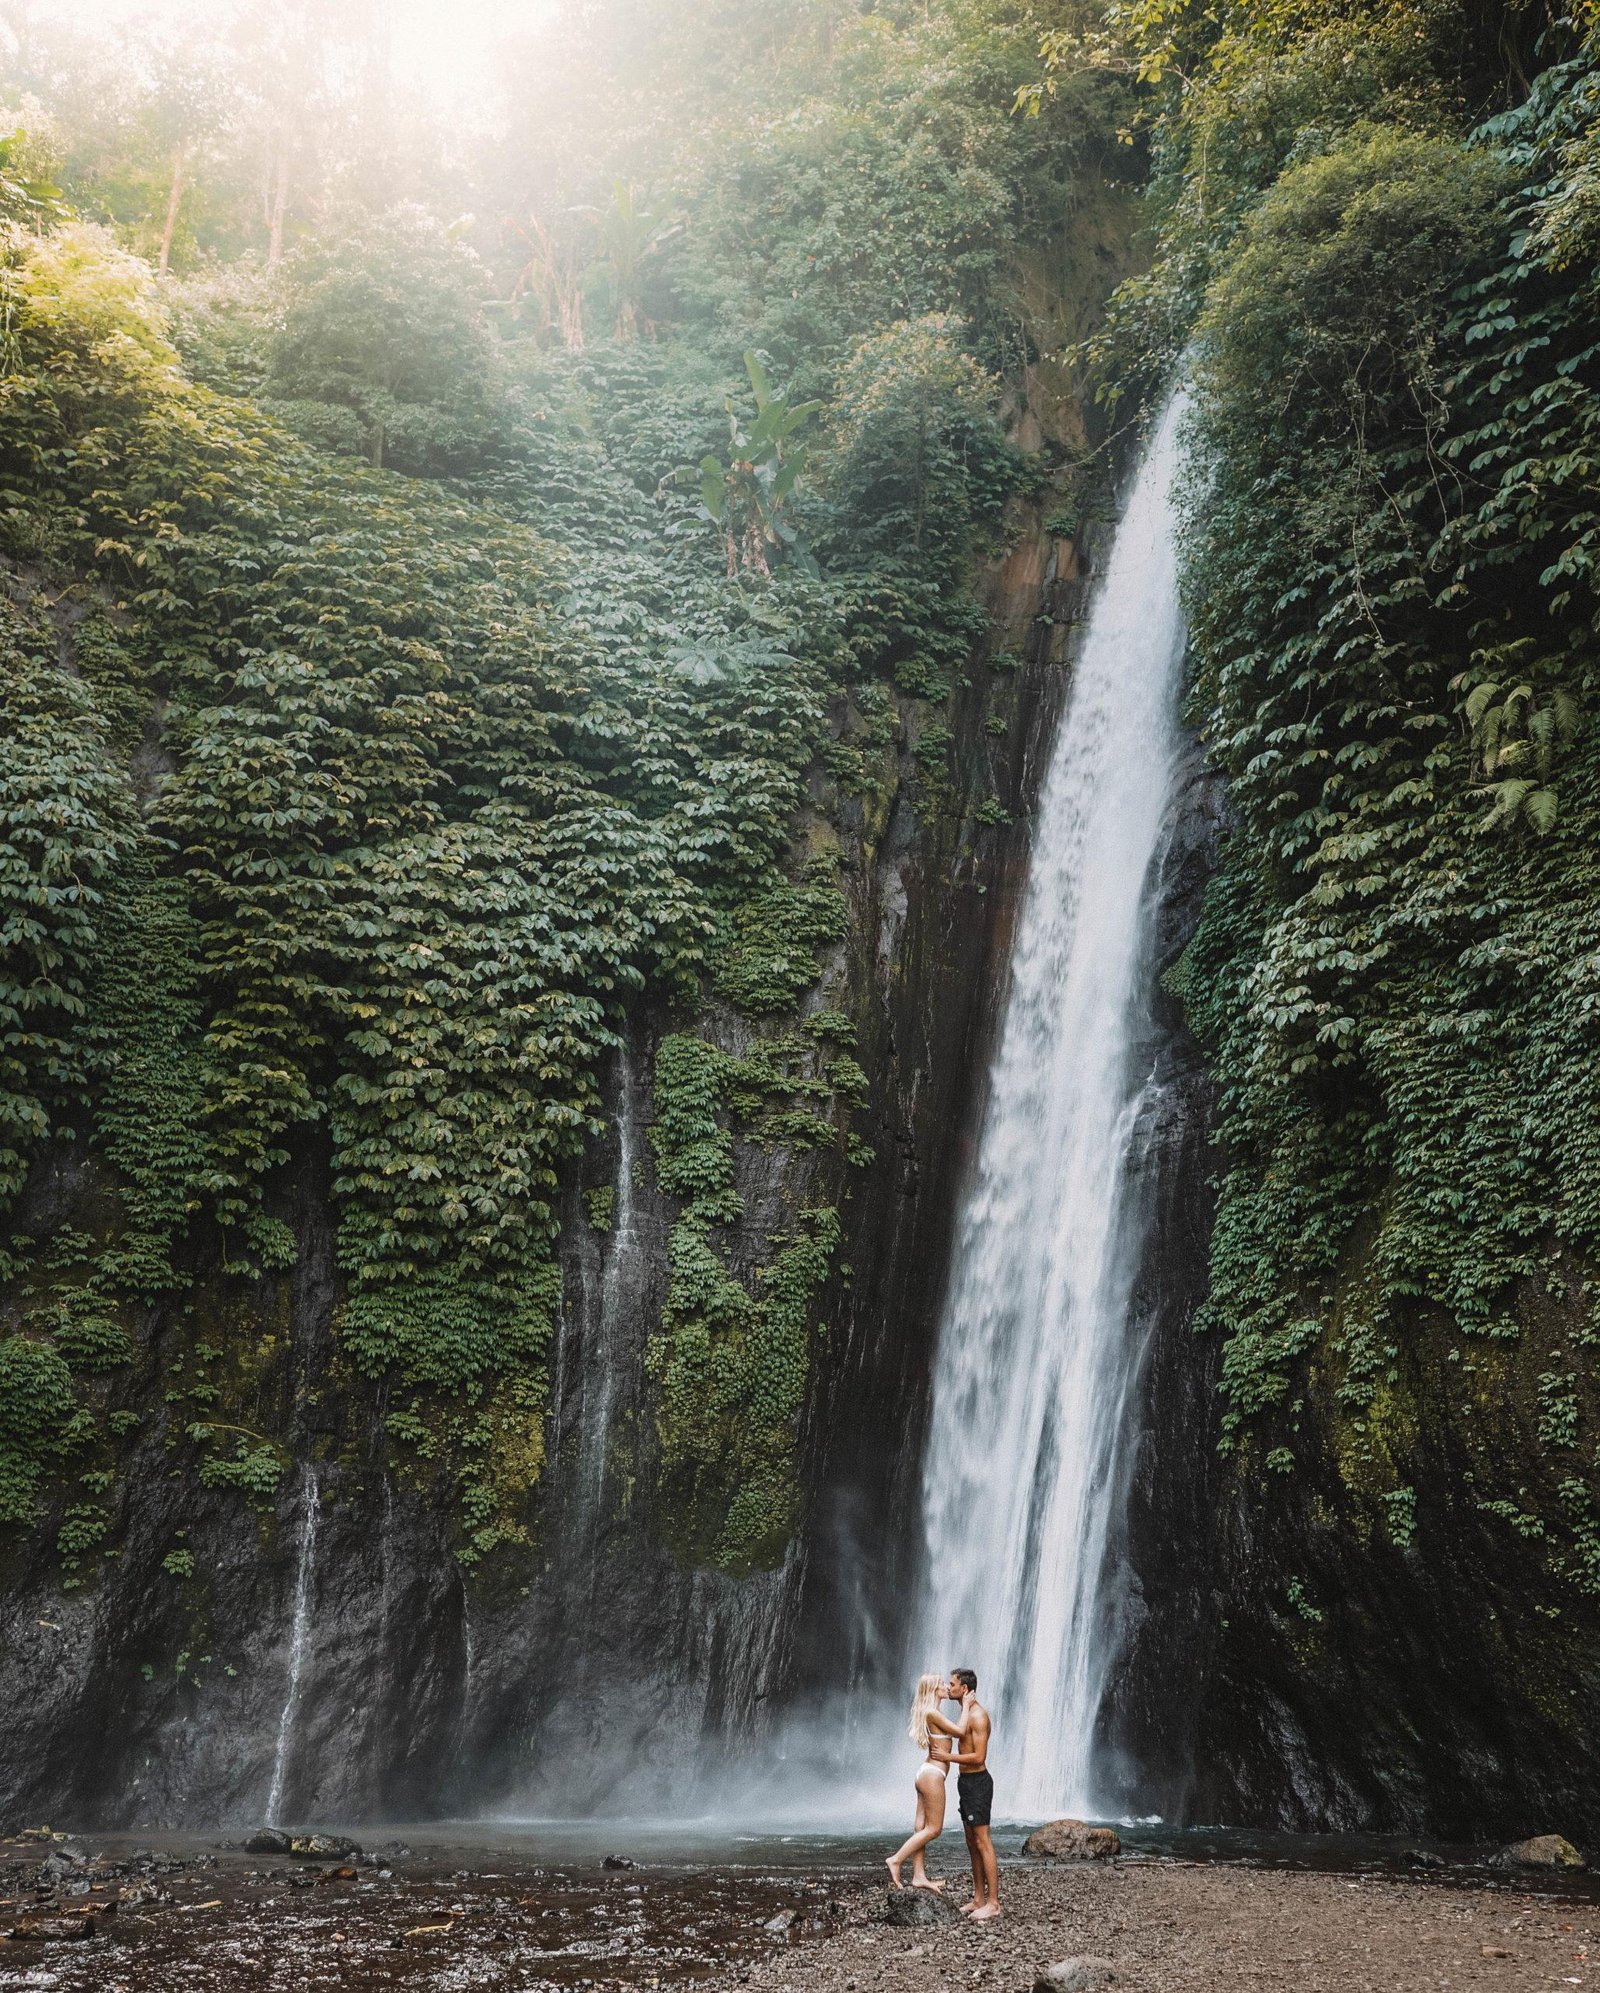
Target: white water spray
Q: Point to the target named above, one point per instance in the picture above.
(299, 1640)
(1038, 1357)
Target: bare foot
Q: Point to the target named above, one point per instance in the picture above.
(925, 1882)
(894, 1871)
(986, 1913)
(969, 1906)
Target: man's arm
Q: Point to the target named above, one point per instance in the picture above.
(944, 1726)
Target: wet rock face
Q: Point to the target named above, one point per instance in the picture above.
(144, 1698)
(942, 897)
(1446, 1686)
(1285, 1662)
(107, 1725)
(1160, 1599)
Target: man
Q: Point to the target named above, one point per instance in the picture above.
(975, 1794)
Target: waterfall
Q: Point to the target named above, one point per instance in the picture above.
(1038, 1356)
(619, 1290)
(299, 1640)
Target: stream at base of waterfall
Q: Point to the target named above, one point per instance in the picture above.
(1038, 1356)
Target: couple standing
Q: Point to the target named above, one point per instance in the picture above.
(964, 1743)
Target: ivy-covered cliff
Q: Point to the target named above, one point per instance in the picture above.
(1376, 243)
(498, 920)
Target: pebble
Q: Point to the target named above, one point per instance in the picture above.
(1076, 1975)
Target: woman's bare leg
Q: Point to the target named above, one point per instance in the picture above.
(912, 1846)
(933, 1827)
(929, 1825)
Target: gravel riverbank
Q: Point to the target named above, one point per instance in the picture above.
(1166, 1926)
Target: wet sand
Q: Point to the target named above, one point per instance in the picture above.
(193, 1916)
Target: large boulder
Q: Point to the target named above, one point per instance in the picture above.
(1073, 1841)
(1541, 1851)
(1075, 1975)
(321, 1847)
(919, 1909)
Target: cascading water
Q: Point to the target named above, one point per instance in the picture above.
(299, 1641)
(1038, 1356)
(618, 1284)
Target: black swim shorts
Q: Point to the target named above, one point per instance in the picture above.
(975, 1795)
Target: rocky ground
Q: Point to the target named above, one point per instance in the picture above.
(108, 1915)
(1158, 1926)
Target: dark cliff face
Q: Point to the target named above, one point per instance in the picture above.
(941, 912)
(1149, 1739)
(1448, 1684)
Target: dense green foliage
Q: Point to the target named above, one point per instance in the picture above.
(426, 835)
(732, 1365)
(395, 729)
(381, 350)
(1392, 583)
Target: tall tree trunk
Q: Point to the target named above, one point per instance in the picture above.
(180, 160)
(570, 312)
(279, 207)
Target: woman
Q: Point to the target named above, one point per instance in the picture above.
(931, 1733)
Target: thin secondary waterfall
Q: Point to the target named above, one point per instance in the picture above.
(1037, 1354)
(618, 1287)
(299, 1640)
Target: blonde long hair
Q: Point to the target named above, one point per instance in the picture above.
(923, 1703)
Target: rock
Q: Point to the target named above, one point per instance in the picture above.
(1423, 1858)
(52, 1930)
(918, 1909)
(267, 1841)
(781, 1924)
(618, 1861)
(321, 1847)
(1541, 1851)
(1075, 1975)
(817, 1920)
(1073, 1841)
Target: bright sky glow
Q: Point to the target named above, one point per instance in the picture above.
(442, 48)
